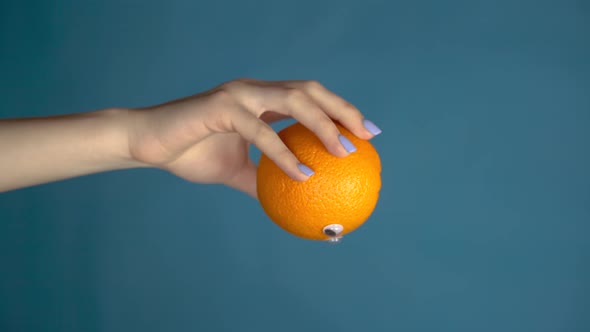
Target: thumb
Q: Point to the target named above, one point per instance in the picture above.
(245, 180)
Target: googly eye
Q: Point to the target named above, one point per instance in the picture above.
(333, 230)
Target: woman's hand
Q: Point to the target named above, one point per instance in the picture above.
(204, 138)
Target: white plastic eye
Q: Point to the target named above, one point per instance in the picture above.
(333, 230)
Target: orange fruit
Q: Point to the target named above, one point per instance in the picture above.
(343, 191)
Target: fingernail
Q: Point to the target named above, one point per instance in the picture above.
(347, 144)
(371, 127)
(305, 170)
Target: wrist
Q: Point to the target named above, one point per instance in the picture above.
(116, 126)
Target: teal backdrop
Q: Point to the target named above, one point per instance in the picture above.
(483, 219)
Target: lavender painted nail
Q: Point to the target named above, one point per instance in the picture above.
(371, 127)
(347, 144)
(305, 170)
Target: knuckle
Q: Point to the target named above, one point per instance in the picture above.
(231, 90)
(263, 133)
(312, 85)
(348, 105)
(328, 131)
(295, 95)
(284, 154)
(351, 109)
(326, 125)
(221, 97)
(233, 85)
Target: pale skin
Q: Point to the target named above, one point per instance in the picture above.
(202, 138)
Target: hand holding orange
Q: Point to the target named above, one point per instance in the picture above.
(337, 199)
(318, 179)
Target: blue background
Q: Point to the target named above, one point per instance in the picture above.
(483, 221)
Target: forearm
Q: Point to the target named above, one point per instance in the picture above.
(41, 150)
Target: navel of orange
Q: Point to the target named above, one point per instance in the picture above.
(343, 190)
